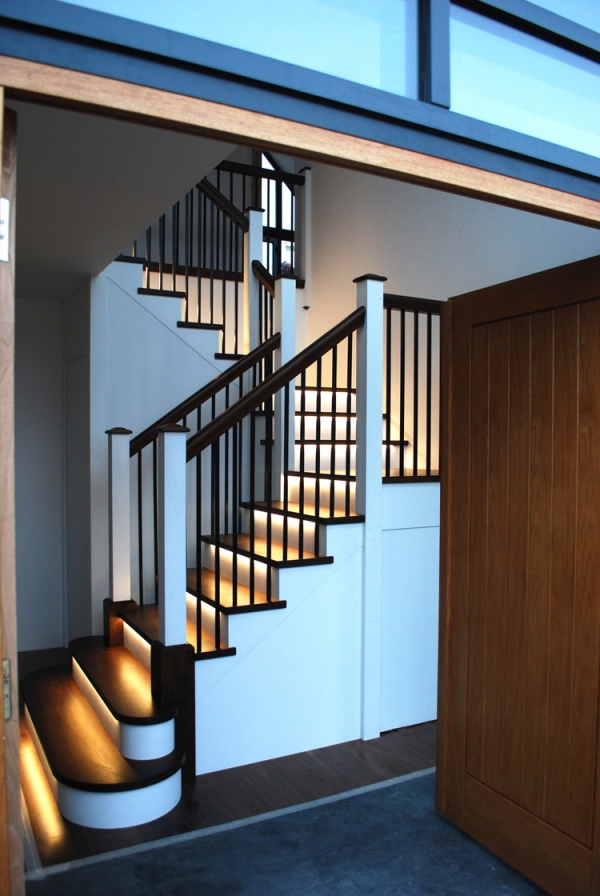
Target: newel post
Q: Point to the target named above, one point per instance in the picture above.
(284, 322)
(171, 500)
(253, 240)
(369, 491)
(119, 536)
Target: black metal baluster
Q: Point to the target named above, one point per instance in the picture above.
(302, 459)
(199, 548)
(402, 389)
(155, 512)
(286, 467)
(252, 498)
(333, 434)
(148, 255)
(236, 290)
(212, 262)
(189, 198)
(416, 395)
(161, 250)
(348, 423)
(216, 502)
(140, 530)
(318, 453)
(388, 390)
(428, 436)
(235, 516)
(269, 489)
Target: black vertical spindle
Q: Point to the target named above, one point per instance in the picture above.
(416, 395)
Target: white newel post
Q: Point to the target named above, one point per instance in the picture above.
(171, 493)
(119, 535)
(253, 240)
(284, 322)
(369, 408)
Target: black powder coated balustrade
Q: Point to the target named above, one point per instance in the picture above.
(245, 466)
(195, 412)
(411, 386)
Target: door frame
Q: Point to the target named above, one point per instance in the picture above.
(65, 88)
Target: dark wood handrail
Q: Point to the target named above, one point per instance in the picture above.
(263, 276)
(256, 171)
(205, 393)
(224, 204)
(408, 303)
(272, 384)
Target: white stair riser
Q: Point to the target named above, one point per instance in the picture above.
(340, 432)
(327, 405)
(278, 526)
(329, 456)
(325, 486)
(208, 618)
(120, 809)
(136, 645)
(243, 569)
(133, 741)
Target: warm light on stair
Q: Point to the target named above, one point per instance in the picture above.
(136, 645)
(36, 789)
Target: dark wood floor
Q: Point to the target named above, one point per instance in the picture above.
(236, 793)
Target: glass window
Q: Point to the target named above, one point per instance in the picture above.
(503, 76)
(584, 12)
(371, 42)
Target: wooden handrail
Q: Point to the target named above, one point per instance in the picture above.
(272, 384)
(205, 393)
(408, 303)
(255, 171)
(224, 204)
(263, 276)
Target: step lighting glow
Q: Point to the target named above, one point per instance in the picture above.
(36, 789)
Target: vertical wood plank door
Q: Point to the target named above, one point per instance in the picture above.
(520, 596)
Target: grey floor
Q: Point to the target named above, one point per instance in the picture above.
(386, 840)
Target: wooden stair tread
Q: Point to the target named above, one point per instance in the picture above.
(308, 511)
(121, 680)
(260, 550)
(207, 591)
(144, 620)
(79, 751)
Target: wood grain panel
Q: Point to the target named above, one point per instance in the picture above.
(539, 562)
(478, 548)
(94, 93)
(559, 759)
(497, 560)
(584, 743)
(454, 584)
(513, 701)
(7, 504)
(536, 292)
(556, 862)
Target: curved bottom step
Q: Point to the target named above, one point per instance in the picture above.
(122, 809)
(92, 783)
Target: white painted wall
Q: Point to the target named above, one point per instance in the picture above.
(409, 603)
(295, 682)
(427, 243)
(39, 473)
(141, 366)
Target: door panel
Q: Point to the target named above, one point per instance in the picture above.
(521, 589)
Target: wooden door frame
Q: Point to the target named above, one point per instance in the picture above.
(22, 79)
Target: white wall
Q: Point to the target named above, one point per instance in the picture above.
(39, 473)
(427, 243)
(141, 366)
(409, 603)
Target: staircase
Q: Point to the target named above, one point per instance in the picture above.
(257, 502)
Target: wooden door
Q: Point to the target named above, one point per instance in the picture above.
(520, 596)
(11, 851)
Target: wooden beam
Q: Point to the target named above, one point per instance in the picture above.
(159, 107)
(11, 849)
